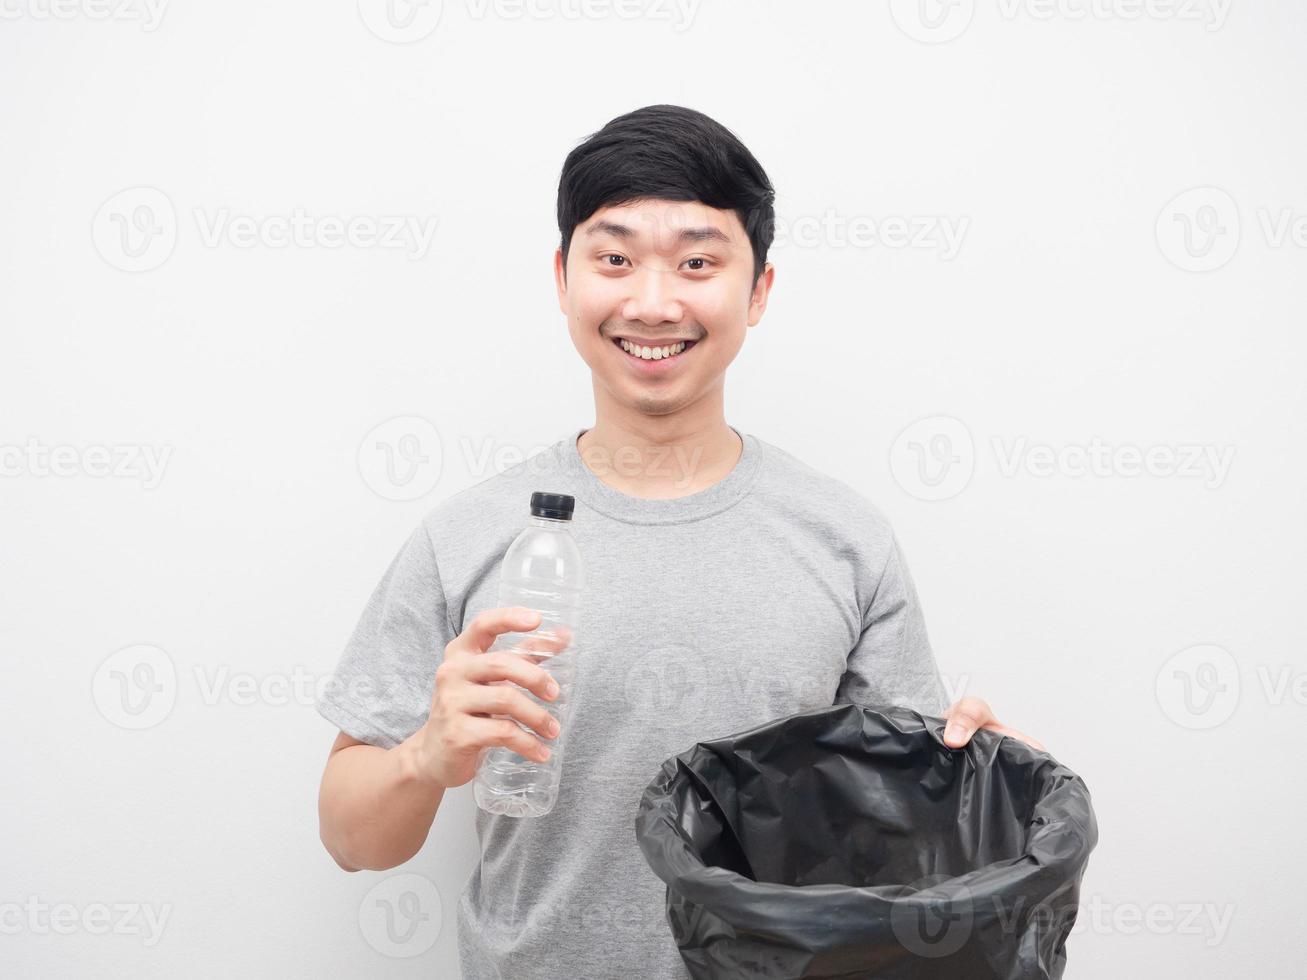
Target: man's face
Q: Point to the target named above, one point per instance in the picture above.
(660, 273)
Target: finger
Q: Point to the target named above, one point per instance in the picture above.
(505, 666)
(486, 626)
(504, 699)
(1034, 743)
(545, 641)
(488, 732)
(964, 718)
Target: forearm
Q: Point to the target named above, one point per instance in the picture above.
(376, 806)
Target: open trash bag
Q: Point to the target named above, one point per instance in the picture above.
(850, 842)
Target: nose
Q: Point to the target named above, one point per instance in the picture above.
(653, 298)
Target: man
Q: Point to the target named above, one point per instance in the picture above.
(727, 583)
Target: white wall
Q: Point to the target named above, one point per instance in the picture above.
(1071, 313)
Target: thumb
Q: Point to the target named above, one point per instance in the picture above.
(964, 718)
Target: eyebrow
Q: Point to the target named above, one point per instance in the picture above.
(705, 234)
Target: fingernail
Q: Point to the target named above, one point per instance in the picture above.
(544, 753)
(953, 732)
(552, 727)
(552, 689)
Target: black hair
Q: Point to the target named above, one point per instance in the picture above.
(673, 153)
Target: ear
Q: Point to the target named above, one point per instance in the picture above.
(560, 279)
(761, 290)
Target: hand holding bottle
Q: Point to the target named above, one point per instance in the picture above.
(474, 683)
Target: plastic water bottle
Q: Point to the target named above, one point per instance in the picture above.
(541, 571)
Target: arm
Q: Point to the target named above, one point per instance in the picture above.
(375, 805)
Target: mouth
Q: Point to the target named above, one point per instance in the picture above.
(652, 357)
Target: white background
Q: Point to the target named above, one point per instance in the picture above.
(1075, 313)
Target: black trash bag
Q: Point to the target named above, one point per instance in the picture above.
(851, 842)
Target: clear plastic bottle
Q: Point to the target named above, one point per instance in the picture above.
(542, 570)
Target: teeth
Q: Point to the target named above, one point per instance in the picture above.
(652, 353)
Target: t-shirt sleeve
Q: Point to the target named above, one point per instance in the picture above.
(380, 691)
(892, 663)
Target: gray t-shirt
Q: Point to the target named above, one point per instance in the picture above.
(776, 590)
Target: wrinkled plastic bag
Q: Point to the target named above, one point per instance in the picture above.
(852, 842)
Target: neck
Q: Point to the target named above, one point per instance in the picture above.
(660, 456)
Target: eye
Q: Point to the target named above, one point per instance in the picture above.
(613, 255)
(704, 263)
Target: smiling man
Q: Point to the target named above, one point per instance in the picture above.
(727, 583)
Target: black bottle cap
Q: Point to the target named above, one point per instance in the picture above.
(559, 506)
